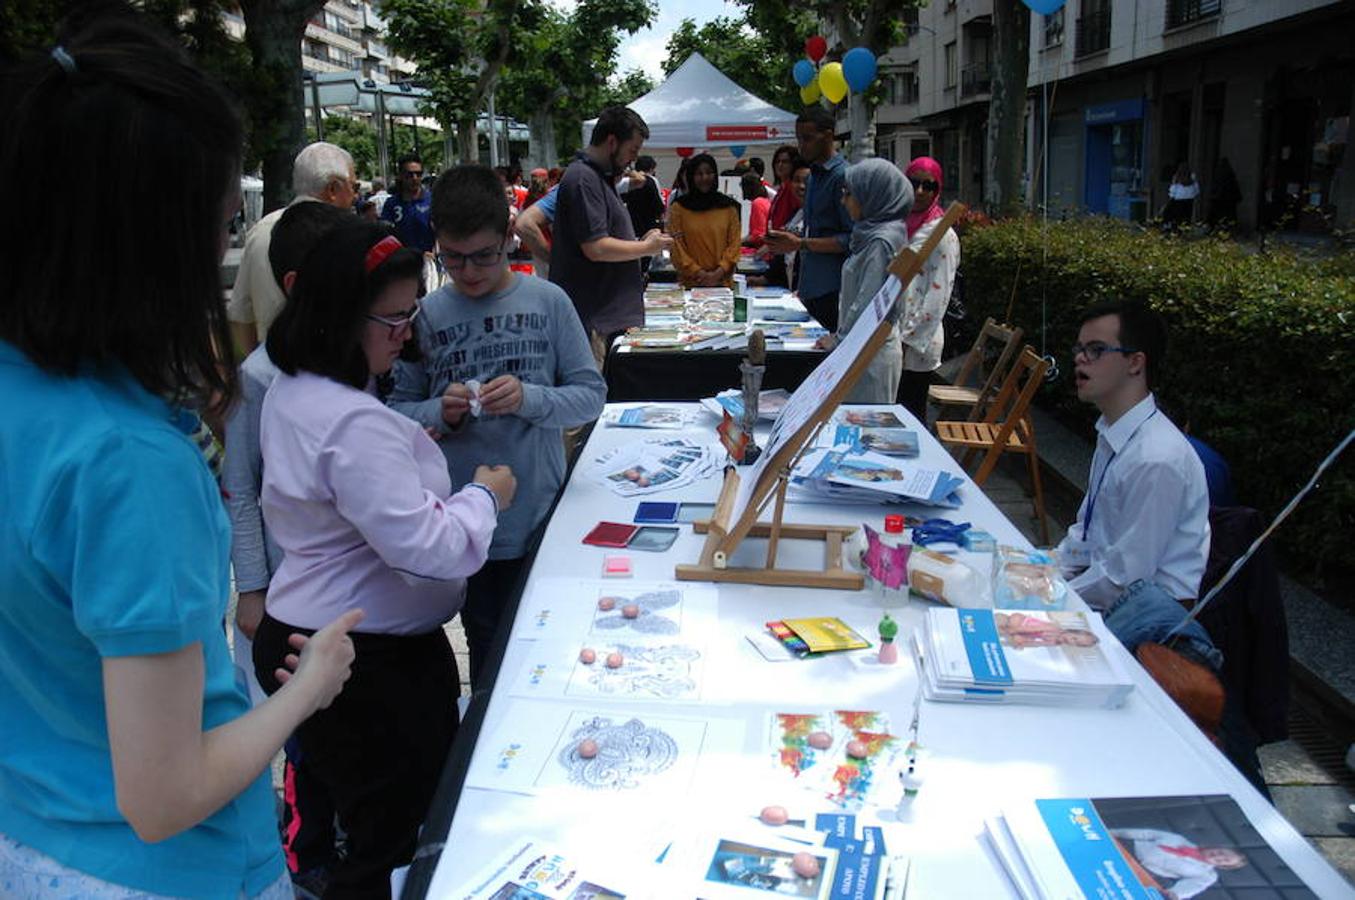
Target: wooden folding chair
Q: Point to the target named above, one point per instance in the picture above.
(1006, 427)
(1003, 340)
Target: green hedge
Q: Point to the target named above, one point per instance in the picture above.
(1261, 361)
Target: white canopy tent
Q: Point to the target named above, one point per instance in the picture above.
(698, 106)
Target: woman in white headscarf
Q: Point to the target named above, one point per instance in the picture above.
(877, 197)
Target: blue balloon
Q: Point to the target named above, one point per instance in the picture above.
(858, 67)
(1044, 7)
(737, 150)
(803, 72)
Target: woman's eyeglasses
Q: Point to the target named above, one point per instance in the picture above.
(398, 323)
(921, 185)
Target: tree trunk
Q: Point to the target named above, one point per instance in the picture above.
(1007, 109)
(273, 31)
(468, 139)
(861, 121)
(541, 134)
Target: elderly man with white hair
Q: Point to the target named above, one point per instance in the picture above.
(321, 172)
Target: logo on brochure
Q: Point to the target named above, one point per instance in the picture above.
(1078, 816)
(542, 618)
(507, 755)
(543, 870)
(538, 671)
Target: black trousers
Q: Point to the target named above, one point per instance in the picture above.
(913, 393)
(308, 838)
(824, 309)
(487, 591)
(379, 748)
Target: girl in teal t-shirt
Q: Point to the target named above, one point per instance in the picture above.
(130, 762)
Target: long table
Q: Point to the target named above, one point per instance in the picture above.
(980, 758)
(683, 374)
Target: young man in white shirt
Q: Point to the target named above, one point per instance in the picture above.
(1141, 539)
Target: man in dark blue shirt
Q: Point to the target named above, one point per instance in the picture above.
(828, 229)
(408, 207)
(595, 256)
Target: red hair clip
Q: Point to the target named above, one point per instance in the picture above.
(380, 252)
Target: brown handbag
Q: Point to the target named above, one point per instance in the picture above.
(1192, 686)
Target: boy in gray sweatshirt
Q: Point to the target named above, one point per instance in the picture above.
(520, 341)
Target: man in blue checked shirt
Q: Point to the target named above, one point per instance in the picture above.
(828, 229)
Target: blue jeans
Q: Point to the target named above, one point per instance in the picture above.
(1145, 613)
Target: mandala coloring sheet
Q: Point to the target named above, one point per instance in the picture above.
(569, 609)
(649, 672)
(538, 750)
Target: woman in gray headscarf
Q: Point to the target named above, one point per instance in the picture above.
(877, 197)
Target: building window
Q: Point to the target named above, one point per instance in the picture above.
(1183, 12)
(977, 75)
(977, 78)
(951, 66)
(1093, 27)
(1053, 28)
(907, 88)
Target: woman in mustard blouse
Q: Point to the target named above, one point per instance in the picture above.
(706, 229)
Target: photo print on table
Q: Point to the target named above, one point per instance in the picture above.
(872, 418)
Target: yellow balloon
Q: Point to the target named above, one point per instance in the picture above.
(832, 82)
(810, 93)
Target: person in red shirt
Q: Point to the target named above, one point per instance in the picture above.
(756, 193)
(786, 202)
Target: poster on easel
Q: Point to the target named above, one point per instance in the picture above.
(745, 494)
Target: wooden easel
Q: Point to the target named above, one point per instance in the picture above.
(723, 538)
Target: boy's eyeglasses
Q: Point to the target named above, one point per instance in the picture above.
(1094, 350)
(453, 261)
(396, 324)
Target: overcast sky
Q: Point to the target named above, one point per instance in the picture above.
(645, 49)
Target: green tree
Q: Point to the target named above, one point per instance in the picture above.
(629, 87)
(874, 24)
(31, 25)
(559, 76)
(358, 137)
(756, 59)
(460, 47)
(273, 33)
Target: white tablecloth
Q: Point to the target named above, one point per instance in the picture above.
(980, 758)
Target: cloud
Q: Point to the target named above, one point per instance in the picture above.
(647, 48)
(644, 51)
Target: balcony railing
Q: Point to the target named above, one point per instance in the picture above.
(976, 78)
(1183, 12)
(1093, 32)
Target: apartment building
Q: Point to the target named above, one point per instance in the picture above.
(1133, 88)
(345, 36)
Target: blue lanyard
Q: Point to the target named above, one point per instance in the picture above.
(1091, 500)
(809, 200)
